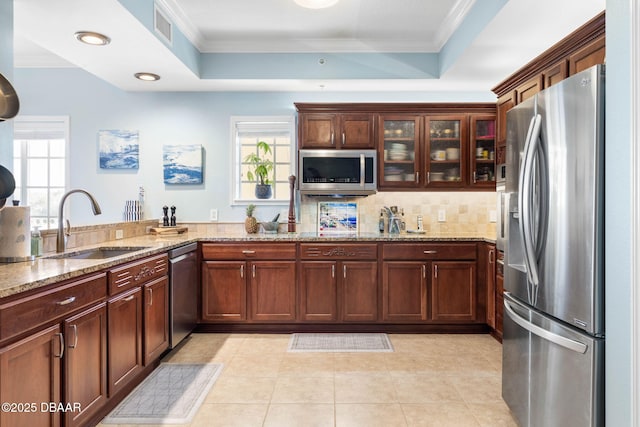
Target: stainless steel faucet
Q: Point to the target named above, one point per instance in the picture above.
(61, 240)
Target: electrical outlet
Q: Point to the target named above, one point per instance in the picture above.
(492, 216)
(442, 217)
(213, 214)
(119, 234)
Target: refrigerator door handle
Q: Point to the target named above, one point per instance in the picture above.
(567, 343)
(524, 200)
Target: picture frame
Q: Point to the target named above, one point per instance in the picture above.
(337, 217)
(182, 164)
(119, 149)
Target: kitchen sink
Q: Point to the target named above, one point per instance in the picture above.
(99, 253)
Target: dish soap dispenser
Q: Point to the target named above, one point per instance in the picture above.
(381, 222)
(36, 242)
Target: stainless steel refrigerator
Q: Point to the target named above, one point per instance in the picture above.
(553, 337)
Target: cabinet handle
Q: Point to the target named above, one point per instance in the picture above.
(417, 177)
(333, 271)
(474, 177)
(344, 138)
(248, 252)
(429, 177)
(61, 338)
(429, 252)
(150, 297)
(129, 298)
(501, 262)
(242, 271)
(491, 256)
(424, 271)
(66, 301)
(75, 336)
(344, 271)
(332, 138)
(435, 271)
(253, 271)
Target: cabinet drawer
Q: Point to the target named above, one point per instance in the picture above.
(422, 251)
(243, 251)
(136, 273)
(347, 251)
(38, 309)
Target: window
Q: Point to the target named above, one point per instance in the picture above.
(279, 133)
(40, 166)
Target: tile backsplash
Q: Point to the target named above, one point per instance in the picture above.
(465, 212)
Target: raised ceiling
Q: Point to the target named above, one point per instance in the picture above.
(276, 45)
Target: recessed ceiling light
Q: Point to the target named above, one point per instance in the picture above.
(147, 77)
(316, 4)
(92, 38)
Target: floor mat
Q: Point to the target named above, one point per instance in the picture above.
(361, 342)
(172, 394)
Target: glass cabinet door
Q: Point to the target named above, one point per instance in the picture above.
(483, 150)
(445, 152)
(400, 151)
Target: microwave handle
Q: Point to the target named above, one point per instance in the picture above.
(362, 164)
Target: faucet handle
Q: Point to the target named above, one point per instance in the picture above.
(67, 231)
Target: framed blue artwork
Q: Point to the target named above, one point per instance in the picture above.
(119, 149)
(182, 164)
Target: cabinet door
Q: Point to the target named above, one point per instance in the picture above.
(446, 152)
(30, 372)
(528, 89)
(358, 291)
(555, 73)
(273, 290)
(399, 151)
(85, 364)
(505, 103)
(318, 291)
(156, 319)
(490, 279)
(318, 130)
(483, 150)
(356, 131)
(224, 291)
(404, 291)
(124, 332)
(453, 291)
(588, 56)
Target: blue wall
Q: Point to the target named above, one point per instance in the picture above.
(166, 118)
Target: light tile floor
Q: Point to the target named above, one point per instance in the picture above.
(430, 380)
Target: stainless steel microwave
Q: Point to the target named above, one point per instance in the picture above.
(337, 172)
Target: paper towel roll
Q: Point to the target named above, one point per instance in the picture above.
(15, 233)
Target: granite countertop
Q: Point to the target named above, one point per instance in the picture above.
(24, 276)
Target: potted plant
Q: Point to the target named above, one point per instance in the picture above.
(261, 170)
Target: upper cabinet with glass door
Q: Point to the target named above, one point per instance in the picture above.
(400, 151)
(483, 150)
(446, 151)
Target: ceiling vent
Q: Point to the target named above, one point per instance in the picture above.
(163, 26)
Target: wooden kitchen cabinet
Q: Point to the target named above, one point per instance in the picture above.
(224, 291)
(400, 151)
(272, 290)
(30, 373)
(249, 282)
(487, 270)
(85, 363)
(482, 151)
(404, 291)
(555, 73)
(338, 282)
(336, 130)
(124, 332)
(499, 295)
(156, 319)
(587, 56)
(446, 152)
(529, 88)
(505, 103)
(453, 291)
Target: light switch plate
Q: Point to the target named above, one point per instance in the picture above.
(442, 216)
(213, 214)
(119, 234)
(492, 216)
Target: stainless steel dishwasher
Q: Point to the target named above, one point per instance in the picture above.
(183, 294)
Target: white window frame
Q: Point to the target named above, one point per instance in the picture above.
(39, 128)
(279, 123)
